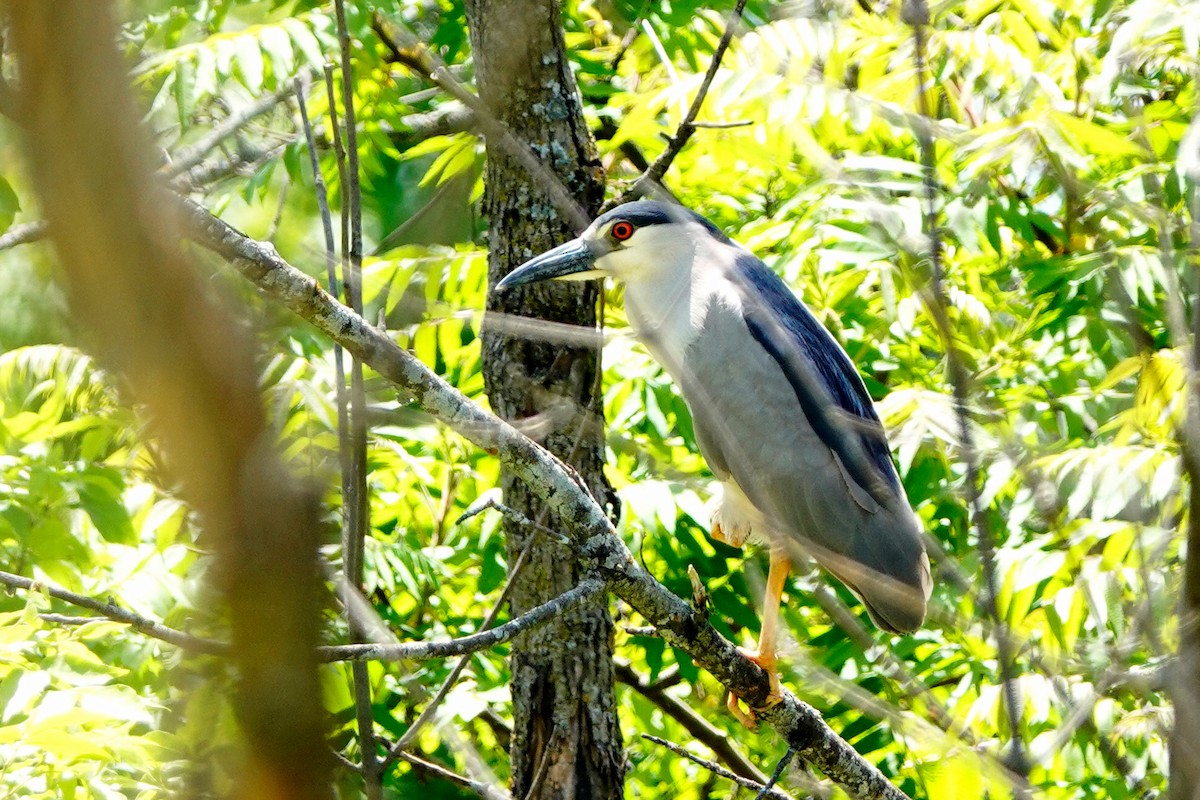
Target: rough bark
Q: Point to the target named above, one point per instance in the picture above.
(566, 742)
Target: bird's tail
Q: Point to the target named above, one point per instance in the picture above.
(896, 589)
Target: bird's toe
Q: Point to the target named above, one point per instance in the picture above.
(728, 526)
(746, 717)
(770, 666)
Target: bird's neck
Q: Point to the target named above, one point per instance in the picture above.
(666, 308)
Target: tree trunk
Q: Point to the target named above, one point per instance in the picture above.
(566, 741)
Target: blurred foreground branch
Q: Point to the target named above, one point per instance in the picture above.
(937, 302)
(156, 321)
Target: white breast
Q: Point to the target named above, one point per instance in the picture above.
(667, 302)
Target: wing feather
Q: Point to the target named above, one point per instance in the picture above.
(823, 377)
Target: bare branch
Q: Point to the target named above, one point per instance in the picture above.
(408, 651)
(646, 183)
(191, 156)
(110, 610)
(416, 651)
(352, 440)
(478, 787)
(777, 774)
(240, 164)
(512, 513)
(446, 119)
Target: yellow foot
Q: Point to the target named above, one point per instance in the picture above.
(748, 718)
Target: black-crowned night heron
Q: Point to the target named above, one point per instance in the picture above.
(780, 412)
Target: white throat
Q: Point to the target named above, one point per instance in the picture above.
(666, 302)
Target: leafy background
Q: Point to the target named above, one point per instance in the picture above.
(1067, 156)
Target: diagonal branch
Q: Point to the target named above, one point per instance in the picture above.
(645, 184)
(698, 727)
(716, 769)
(192, 155)
(484, 790)
(596, 542)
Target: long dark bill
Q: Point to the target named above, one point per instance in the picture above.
(572, 260)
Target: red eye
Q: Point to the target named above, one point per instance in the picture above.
(621, 230)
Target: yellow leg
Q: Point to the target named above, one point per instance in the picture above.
(765, 656)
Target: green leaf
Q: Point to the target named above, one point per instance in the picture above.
(249, 63)
(100, 497)
(10, 204)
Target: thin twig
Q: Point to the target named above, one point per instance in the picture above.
(110, 610)
(484, 790)
(426, 714)
(649, 631)
(916, 14)
(645, 184)
(720, 126)
(717, 769)
(370, 769)
(355, 503)
(331, 278)
(703, 731)
(777, 774)
(511, 513)
(345, 762)
(665, 59)
(543, 767)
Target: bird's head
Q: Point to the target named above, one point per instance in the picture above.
(632, 241)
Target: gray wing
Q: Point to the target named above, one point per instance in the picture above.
(824, 379)
(762, 383)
